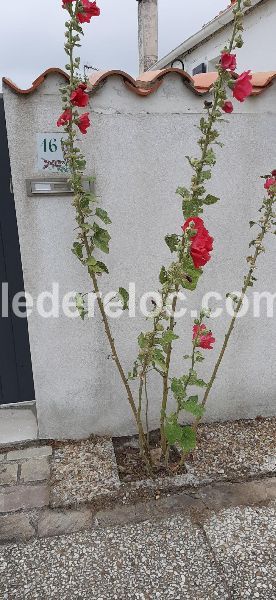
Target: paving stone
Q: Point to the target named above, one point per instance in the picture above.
(32, 452)
(36, 469)
(23, 497)
(54, 522)
(164, 560)
(8, 473)
(153, 509)
(15, 528)
(224, 495)
(244, 543)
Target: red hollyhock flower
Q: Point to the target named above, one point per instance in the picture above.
(228, 61)
(79, 97)
(243, 86)
(203, 336)
(64, 2)
(201, 242)
(273, 173)
(83, 122)
(269, 182)
(66, 117)
(90, 10)
(227, 107)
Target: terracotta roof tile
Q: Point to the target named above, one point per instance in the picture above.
(149, 82)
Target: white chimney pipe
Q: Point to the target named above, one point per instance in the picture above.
(147, 33)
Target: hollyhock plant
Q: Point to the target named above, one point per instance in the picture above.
(227, 107)
(90, 9)
(228, 61)
(203, 337)
(83, 122)
(79, 97)
(201, 242)
(192, 250)
(65, 118)
(243, 87)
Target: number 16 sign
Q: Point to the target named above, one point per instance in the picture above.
(50, 153)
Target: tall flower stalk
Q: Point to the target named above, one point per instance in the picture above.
(90, 218)
(193, 247)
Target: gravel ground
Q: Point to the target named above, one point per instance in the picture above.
(244, 542)
(231, 558)
(235, 449)
(165, 560)
(82, 471)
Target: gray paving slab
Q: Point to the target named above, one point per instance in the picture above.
(244, 543)
(161, 560)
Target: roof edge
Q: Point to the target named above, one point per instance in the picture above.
(219, 22)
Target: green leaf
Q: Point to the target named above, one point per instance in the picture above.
(191, 277)
(78, 250)
(191, 406)
(159, 359)
(184, 436)
(168, 337)
(210, 199)
(183, 192)
(177, 388)
(80, 306)
(142, 342)
(102, 214)
(100, 267)
(91, 262)
(101, 244)
(188, 439)
(124, 295)
(206, 175)
(172, 241)
(163, 275)
(173, 430)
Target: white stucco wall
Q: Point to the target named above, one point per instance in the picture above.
(258, 52)
(137, 149)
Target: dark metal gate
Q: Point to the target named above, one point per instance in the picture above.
(16, 378)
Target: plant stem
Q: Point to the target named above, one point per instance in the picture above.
(237, 308)
(166, 377)
(78, 190)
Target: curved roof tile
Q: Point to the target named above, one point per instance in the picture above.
(149, 82)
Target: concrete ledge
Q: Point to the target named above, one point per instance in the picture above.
(198, 505)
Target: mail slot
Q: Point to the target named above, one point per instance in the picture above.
(54, 187)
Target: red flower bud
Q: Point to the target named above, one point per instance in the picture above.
(227, 107)
(273, 173)
(201, 242)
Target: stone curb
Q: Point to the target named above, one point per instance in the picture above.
(199, 505)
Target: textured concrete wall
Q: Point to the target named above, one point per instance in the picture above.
(137, 149)
(258, 52)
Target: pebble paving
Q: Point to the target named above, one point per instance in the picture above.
(244, 542)
(165, 560)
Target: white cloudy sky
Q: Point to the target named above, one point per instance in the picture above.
(31, 34)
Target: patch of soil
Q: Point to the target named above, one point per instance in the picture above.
(131, 466)
(225, 451)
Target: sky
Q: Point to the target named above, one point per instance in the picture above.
(31, 34)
